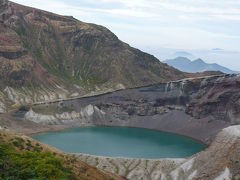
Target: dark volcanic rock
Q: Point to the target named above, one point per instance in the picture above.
(13, 55)
(218, 98)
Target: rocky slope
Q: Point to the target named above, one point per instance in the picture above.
(219, 98)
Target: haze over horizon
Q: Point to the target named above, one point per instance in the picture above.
(206, 28)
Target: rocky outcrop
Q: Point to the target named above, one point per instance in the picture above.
(86, 116)
(219, 161)
(13, 54)
(2, 108)
(134, 169)
(38, 118)
(219, 98)
(25, 95)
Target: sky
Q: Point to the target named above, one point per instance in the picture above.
(162, 27)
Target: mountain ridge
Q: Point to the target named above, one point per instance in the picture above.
(197, 65)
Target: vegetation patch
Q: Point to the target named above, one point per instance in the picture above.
(31, 165)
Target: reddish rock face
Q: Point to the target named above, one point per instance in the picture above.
(18, 65)
(219, 98)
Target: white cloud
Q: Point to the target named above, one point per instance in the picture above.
(208, 10)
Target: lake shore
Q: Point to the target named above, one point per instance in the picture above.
(176, 121)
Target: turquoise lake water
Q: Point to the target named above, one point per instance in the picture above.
(122, 142)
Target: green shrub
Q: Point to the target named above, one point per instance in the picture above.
(38, 53)
(30, 165)
(18, 142)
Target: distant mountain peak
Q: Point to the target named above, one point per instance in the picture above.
(198, 61)
(198, 65)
